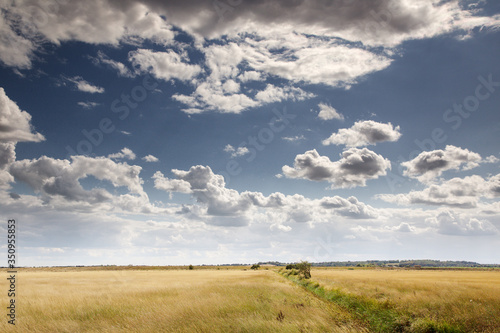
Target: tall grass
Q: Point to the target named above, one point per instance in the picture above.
(170, 301)
(415, 301)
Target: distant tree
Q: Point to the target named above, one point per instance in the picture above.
(255, 266)
(191, 267)
(304, 269)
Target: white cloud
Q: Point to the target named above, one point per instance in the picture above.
(150, 158)
(451, 223)
(220, 91)
(376, 23)
(229, 149)
(15, 50)
(350, 207)
(431, 164)
(277, 94)
(208, 97)
(163, 65)
(217, 201)
(171, 185)
(250, 76)
(95, 22)
(84, 86)
(88, 105)
(326, 112)
(294, 138)
(231, 87)
(363, 133)
(456, 192)
(57, 182)
(7, 157)
(311, 60)
(122, 70)
(241, 151)
(124, 153)
(354, 168)
(15, 124)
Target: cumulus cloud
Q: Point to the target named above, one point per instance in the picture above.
(326, 112)
(363, 133)
(311, 60)
(456, 192)
(210, 191)
(250, 76)
(451, 223)
(84, 86)
(431, 164)
(277, 94)
(124, 153)
(350, 207)
(163, 65)
(171, 185)
(386, 22)
(58, 181)
(354, 168)
(15, 124)
(221, 91)
(240, 151)
(7, 157)
(25, 26)
(150, 158)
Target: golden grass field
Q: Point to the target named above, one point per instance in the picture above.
(468, 299)
(234, 300)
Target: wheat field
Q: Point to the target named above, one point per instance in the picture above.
(468, 299)
(233, 300)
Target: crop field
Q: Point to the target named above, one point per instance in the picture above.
(199, 300)
(237, 299)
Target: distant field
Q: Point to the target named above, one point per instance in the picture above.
(468, 300)
(233, 300)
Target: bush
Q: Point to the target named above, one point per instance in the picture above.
(292, 266)
(305, 269)
(191, 267)
(255, 266)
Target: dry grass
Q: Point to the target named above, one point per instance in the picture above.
(469, 300)
(170, 301)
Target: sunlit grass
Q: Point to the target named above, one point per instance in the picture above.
(170, 301)
(467, 300)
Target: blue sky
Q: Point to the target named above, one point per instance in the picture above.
(141, 132)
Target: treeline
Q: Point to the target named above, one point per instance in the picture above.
(391, 263)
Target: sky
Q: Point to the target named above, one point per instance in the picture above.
(235, 131)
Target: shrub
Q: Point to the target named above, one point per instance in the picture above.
(304, 269)
(191, 267)
(255, 266)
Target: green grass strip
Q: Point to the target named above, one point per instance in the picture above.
(378, 315)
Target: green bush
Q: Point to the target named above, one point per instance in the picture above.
(304, 269)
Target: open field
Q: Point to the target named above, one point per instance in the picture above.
(237, 299)
(467, 300)
(197, 300)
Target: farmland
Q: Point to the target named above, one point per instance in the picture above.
(237, 299)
